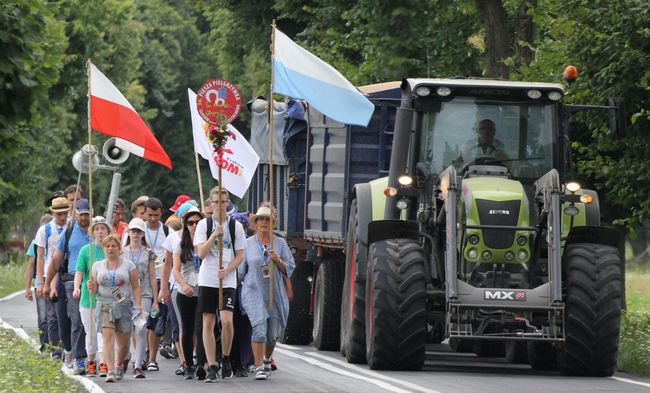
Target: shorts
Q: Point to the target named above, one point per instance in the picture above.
(209, 300)
(124, 324)
(266, 332)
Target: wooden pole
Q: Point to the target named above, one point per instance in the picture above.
(270, 108)
(90, 198)
(198, 176)
(220, 244)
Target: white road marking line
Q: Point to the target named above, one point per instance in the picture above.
(13, 295)
(626, 380)
(373, 374)
(285, 346)
(329, 367)
(89, 385)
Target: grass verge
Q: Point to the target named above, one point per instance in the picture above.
(26, 371)
(634, 342)
(12, 276)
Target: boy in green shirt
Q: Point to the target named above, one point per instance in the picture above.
(100, 230)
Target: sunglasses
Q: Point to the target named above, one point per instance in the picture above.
(217, 202)
(265, 250)
(191, 223)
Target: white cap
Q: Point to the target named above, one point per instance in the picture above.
(137, 223)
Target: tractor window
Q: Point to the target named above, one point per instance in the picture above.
(468, 131)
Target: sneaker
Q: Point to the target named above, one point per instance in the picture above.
(212, 374)
(189, 373)
(126, 361)
(274, 366)
(137, 373)
(241, 372)
(200, 373)
(166, 352)
(110, 376)
(226, 371)
(260, 374)
(119, 373)
(180, 370)
(152, 366)
(252, 369)
(103, 370)
(173, 352)
(92, 369)
(80, 367)
(67, 359)
(56, 355)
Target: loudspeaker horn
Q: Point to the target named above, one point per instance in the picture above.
(113, 154)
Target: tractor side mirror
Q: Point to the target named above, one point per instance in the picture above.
(617, 117)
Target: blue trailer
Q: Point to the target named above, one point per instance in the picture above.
(324, 161)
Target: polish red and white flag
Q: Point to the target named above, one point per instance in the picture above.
(112, 114)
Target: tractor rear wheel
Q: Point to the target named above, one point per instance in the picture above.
(353, 304)
(327, 303)
(593, 310)
(396, 305)
(299, 323)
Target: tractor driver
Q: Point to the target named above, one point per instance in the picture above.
(484, 145)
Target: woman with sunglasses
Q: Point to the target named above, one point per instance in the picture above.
(186, 271)
(144, 259)
(259, 258)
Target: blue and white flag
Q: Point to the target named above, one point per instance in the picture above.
(299, 74)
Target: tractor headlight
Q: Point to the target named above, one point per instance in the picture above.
(402, 204)
(486, 255)
(510, 256)
(443, 91)
(534, 94)
(554, 95)
(571, 210)
(422, 91)
(472, 253)
(522, 255)
(522, 240)
(572, 186)
(473, 239)
(405, 180)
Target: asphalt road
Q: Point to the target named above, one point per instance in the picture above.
(303, 369)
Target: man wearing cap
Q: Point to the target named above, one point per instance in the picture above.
(68, 306)
(180, 200)
(46, 239)
(100, 230)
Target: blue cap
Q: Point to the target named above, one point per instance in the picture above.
(185, 206)
(242, 218)
(82, 206)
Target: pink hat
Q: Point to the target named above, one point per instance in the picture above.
(179, 201)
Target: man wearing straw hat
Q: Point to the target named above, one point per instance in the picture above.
(206, 240)
(46, 240)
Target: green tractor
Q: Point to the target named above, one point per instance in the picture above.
(478, 237)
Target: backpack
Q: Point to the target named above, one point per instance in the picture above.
(63, 269)
(231, 228)
(165, 230)
(35, 259)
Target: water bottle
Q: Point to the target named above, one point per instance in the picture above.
(154, 312)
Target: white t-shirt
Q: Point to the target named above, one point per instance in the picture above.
(50, 247)
(208, 273)
(170, 245)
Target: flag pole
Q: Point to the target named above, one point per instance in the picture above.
(198, 176)
(90, 199)
(220, 218)
(270, 110)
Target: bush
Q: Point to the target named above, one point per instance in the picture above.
(634, 343)
(12, 275)
(24, 370)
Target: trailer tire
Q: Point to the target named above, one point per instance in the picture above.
(396, 305)
(593, 310)
(327, 303)
(353, 303)
(299, 323)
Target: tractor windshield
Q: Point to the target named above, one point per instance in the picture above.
(471, 131)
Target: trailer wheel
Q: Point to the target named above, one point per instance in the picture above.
(593, 310)
(516, 352)
(299, 323)
(541, 356)
(396, 305)
(327, 303)
(353, 304)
